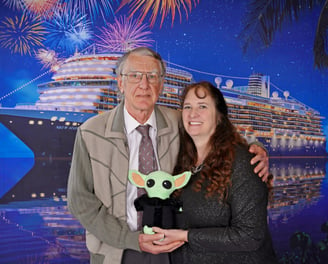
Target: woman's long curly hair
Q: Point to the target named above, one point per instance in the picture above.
(217, 169)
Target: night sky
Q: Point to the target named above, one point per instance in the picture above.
(207, 41)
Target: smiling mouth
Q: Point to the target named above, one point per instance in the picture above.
(195, 123)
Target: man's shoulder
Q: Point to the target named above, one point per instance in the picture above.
(99, 119)
(171, 112)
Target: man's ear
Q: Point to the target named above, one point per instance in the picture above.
(119, 84)
(182, 179)
(137, 178)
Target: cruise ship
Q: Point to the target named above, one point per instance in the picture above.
(85, 85)
(284, 125)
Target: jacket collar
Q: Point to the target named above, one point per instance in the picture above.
(115, 122)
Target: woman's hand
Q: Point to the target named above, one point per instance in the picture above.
(171, 236)
(148, 243)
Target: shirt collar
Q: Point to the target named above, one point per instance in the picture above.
(131, 124)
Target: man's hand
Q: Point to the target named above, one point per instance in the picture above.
(147, 244)
(261, 157)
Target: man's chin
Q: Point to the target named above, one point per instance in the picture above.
(145, 105)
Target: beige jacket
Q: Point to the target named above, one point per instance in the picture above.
(98, 178)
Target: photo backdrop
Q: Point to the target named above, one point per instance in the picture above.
(207, 39)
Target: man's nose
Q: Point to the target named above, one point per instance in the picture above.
(144, 83)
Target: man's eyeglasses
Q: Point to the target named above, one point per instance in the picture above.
(135, 77)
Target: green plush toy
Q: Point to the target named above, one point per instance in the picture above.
(159, 209)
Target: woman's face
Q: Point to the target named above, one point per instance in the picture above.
(199, 115)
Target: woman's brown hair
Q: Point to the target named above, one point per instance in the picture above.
(217, 166)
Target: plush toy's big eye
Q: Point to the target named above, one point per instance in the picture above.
(167, 184)
(150, 183)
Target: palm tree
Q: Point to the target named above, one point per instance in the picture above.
(265, 17)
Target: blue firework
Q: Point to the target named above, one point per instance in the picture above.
(93, 8)
(68, 31)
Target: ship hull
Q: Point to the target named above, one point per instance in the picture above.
(54, 139)
(49, 134)
(291, 148)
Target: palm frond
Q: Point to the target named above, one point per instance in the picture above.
(320, 46)
(264, 18)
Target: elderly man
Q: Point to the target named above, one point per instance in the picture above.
(106, 147)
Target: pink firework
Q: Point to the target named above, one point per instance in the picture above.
(124, 35)
(49, 58)
(158, 6)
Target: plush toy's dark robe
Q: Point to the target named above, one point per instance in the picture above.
(158, 212)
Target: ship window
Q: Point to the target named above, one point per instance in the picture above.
(62, 119)
(54, 118)
(31, 122)
(40, 122)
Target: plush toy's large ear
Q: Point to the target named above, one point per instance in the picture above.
(137, 178)
(182, 179)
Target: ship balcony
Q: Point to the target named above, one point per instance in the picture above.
(70, 97)
(82, 75)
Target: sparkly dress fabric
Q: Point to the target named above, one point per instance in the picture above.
(232, 233)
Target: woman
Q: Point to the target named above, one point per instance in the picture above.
(224, 217)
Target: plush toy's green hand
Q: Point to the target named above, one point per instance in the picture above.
(148, 230)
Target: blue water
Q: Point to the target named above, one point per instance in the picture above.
(35, 229)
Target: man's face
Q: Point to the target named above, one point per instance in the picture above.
(140, 96)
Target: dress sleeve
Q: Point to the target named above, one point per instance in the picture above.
(88, 209)
(248, 219)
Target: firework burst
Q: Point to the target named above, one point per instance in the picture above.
(49, 58)
(40, 7)
(124, 35)
(21, 35)
(158, 6)
(14, 4)
(92, 7)
(68, 30)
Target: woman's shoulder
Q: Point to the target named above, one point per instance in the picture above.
(241, 152)
(242, 162)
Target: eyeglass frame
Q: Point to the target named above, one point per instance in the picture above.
(141, 74)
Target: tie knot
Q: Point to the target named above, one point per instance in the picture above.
(143, 130)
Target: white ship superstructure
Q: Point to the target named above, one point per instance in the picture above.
(284, 125)
(88, 83)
